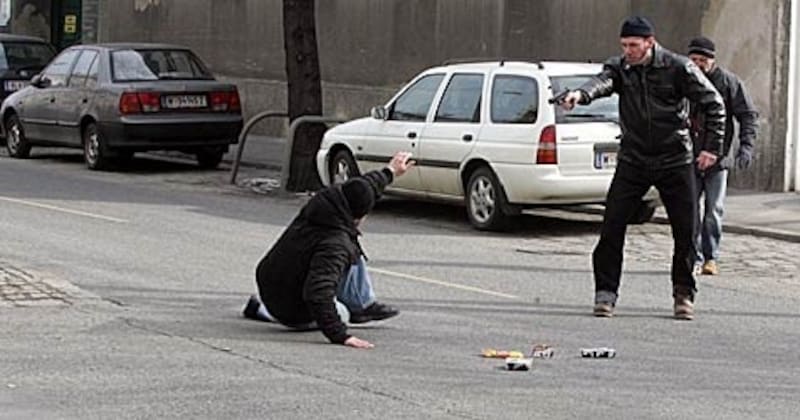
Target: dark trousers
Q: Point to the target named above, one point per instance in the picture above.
(677, 189)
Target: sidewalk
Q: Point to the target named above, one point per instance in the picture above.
(774, 215)
(260, 151)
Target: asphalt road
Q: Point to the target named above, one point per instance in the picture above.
(164, 255)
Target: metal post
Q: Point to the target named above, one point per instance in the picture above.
(243, 137)
(287, 157)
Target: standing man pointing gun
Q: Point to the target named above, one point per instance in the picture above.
(653, 85)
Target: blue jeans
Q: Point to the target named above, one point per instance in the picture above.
(355, 290)
(353, 294)
(711, 188)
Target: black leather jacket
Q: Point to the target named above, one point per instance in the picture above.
(654, 108)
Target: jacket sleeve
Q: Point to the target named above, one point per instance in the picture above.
(745, 112)
(603, 84)
(328, 265)
(379, 180)
(704, 95)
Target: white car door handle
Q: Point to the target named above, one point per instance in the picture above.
(467, 137)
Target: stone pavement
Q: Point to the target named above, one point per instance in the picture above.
(22, 288)
(766, 214)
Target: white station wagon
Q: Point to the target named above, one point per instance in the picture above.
(487, 134)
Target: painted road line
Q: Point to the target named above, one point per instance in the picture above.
(443, 283)
(62, 210)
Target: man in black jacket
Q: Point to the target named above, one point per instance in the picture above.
(315, 275)
(713, 181)
(653, 85)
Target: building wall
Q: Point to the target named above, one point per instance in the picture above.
(756, 49)
(370, 47)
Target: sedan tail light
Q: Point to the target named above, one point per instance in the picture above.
(547, 152)
(234, 102)
(151, 101)
(225, 101)
(129, 104)
(137, 103)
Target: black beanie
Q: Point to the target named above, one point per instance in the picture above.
(703, 46)
(636, 26)
(360, 196)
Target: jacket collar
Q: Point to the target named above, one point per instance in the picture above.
(659, 56)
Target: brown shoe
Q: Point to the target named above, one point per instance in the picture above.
(684, 308)
(603, 310)
(711, 268)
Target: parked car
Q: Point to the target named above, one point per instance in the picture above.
(113, 100)
(21, 57)
(486, 134)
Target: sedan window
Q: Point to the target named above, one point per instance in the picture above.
(144, 65)
(461, 101)
(91, 79)
(414, 103)
(58, 70)
(515, 100)
(81, 70)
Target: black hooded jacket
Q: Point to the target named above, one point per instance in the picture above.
(654, 111)
(739, 106)
(298, 278)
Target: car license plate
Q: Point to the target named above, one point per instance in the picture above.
(15, 85)
(185, 101)
(605, 160)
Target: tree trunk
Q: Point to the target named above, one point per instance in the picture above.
(305, 91)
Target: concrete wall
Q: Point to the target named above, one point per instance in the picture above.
(756, 49)
(370, 47)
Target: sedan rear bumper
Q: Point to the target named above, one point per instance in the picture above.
(145, 133)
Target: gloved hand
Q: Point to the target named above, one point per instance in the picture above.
(744, 159)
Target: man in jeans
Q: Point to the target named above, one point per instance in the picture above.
(653, 85)
(315, 276)
(712, 182)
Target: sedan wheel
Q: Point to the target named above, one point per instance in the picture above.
(209, 158)
(16, 143)
(94, 149)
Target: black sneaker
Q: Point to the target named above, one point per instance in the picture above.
(251, 309)
(375, 312)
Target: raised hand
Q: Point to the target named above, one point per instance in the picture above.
(400, 163)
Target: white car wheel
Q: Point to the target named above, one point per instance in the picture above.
(486, 201)
(342, 167)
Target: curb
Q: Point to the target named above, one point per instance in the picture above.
(762, 232)
(782, 235)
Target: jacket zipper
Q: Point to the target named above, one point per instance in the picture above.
(645, 96)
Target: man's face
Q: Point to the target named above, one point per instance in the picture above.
(636, 48)
(705, 63)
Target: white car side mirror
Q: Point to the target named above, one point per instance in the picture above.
(378, 112)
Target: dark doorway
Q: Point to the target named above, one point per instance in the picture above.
(56, 21)
(66, 23)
